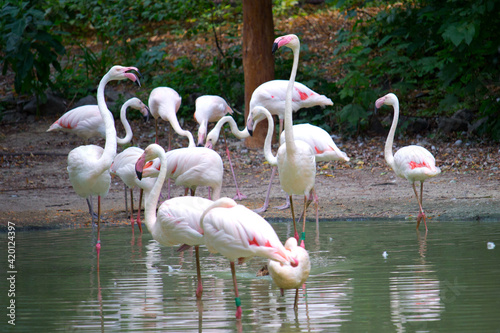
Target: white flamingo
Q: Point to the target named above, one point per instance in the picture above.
(164, 102)
(238, 234)
(210, 108)
(86, 121)
(190, 168)
(177, 221)
(88, 166)
(289, 277)
(124, 167)
(413, 163)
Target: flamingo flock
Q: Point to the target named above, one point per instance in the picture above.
(219, 223)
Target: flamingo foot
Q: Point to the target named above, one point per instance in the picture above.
(262, 209)
(239, 196)
(285, 206)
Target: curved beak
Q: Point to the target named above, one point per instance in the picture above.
(148, 114)
(139, 166)
(275, 47)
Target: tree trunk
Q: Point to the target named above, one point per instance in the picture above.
(258, 61)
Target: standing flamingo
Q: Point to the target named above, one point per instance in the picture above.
(86, 121)
(178, 219)
(211, 108)
(124, 167)
(289, 277)
(88, 166)
(164, 102)
(238, 233)
(190, 168)
(295, 158)
(413, 162)
(272, 96)
(319, 139)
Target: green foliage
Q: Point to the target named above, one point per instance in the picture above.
(448, 48)
(29, 47)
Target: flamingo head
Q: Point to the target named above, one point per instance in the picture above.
(143, 108)
(150, 153)
(389, 99)
(121, 73)
(256, 115)
(212, 138)
(292, 41)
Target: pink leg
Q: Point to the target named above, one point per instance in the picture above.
(236, 294)
(98, 244)
(421, 214)
(139, 210)
(293, 218)
(239, 195)
(266, 201)
(132, 208)
(199, 289)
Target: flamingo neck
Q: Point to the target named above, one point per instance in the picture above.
(389, 158)
(271, 159)
(288, 120)
(234, 127)
(174, 122)
(126, 125)
(110, 147)
(154, 194)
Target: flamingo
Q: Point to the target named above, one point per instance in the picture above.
(319, 139)
(178, 219)
(289, 277)
(213, 135)
(88, 166)
(190, 168)
(238, 233)
(86, 121)
(272, 96)
(413, 163)
(295, 159)
(164, 102)
(124, 167)
(210, 108)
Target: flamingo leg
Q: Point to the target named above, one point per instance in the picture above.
(422, 205)
(236, 294)
(296, 303)
(421, 214)
(132, 208)
(199, 289)
(239, 195)
(156, 131)
(93, 215)
(98, 244)
(293, 218)
(266, 201)
(126, 199)
(141, 193)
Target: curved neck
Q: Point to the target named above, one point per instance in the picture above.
(234, 127)
(174, 122)
(271, 159)
(126, 125)
(288, 121)
(110, 147)
(389, 158)
(154, 194)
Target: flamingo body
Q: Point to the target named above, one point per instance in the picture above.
(287, 276)
(124, 167)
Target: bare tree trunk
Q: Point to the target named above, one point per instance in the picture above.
(258, 62)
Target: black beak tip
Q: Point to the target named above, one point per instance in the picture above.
(250, 132)
(200, 145)
(139, 174)
(275, 47)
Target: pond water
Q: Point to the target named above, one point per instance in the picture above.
(447, 281)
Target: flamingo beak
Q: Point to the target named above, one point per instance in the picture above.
(139, 166)
(275, 47)
(148, 114)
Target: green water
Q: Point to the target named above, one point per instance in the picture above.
(445, 281)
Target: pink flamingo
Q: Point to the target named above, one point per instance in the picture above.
(238, 234)
(289, 277)
(164, 102)
(88, 166)
(190, 168)
(124, 167)
(177, 221)
(86, 121)
(413, 163)
(210, 108)
(319, 139)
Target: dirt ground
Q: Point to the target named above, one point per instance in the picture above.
(36, 193)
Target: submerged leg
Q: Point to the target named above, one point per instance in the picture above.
(236, 294)
(199, 289)
(98, 245)
(421, 214)
(141, 193)
(132, 208)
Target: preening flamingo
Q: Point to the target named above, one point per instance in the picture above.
(210, 108)
(86, 121)
(190, 168)
(295, 158)
(124, 167)
(177, 221)
(272, 96)
(287, 276)
(164, 102)
(414, 163)
(88, 166)
(238, 234)
(319, 139)
(213, 135)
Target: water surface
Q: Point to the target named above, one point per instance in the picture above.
(447, 280)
